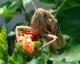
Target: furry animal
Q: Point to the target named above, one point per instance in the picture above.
(45, 24)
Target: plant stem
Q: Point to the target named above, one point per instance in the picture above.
(33, 4)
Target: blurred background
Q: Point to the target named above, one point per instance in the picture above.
(17, 19)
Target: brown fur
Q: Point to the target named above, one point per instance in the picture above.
(45, 23)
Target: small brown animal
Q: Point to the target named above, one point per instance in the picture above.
(45, 24)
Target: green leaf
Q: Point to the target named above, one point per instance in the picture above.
(13, 4)
(17, 59)
(51, 11)
(3, 45)
(68, 16)
(10, 15)
(42, 59)
(3, 31)
(51, 2)
(3, 7)
(55, 62)
(70, 54)
(3, 37)
(34, 61)
(6, 7)
(1, 61)
(48, 2)
(37, 44)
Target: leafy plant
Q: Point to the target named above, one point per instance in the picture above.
(67, 13)
(3, 45)
(68, 17)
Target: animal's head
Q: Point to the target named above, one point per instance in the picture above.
(40, 20)
(38, 23)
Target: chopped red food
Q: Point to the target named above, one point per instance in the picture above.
(29, 47)
(34, 37)
(26, 39)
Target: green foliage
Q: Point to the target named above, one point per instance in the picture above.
(48, 2)
(3, 7)
(6, 9)
(68, 16)
(42, 59)
(17, 59)
(37, 44)
(1, 61)
(51, 2)
(70, 54)
(3, 45)
(23, 3)
(55, 62)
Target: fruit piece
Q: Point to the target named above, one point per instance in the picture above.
(29, 47)
(34, 37)
(27, 35)
(20, 34)
(37, 44)
(29, 41)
